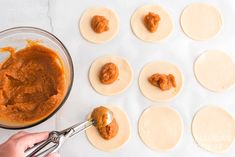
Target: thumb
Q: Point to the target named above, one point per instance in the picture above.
(30, 139)
(53, 155)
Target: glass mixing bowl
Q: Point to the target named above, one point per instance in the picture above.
(17, 37)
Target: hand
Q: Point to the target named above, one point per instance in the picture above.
(18, 143)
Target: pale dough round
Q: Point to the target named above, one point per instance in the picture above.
(119, 140)
(160, 128)
(88, 33)
(154, 93)
(122, 83)
(201, 21)
(215, 70)
(213, 129)
(165, 26)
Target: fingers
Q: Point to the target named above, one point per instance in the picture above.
(53, 155)
(18, 135)
(29, 140)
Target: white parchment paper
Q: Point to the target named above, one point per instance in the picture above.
(177, 48)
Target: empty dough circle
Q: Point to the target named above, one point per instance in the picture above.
(165, 26)
(213, 129)
(215, 70)
(89, 34)
(201, 21)
(119, 140)
(154, 93)
(122, 83)
(160, 128)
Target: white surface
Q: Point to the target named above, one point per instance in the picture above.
(61, 18)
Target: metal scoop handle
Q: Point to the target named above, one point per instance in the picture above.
(56, 139)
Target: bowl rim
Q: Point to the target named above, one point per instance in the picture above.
(66, 52)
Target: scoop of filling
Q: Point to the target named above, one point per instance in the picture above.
(163, 81)
(99, 24)
(151, 21)
(109, 73)
(99, 115)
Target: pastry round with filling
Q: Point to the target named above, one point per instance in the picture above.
(160, 128)
(125, 75)
(86, 25)
(165, 25)
(122, 136)
(215, 70)
(201, 21)
(213, 129)
(154, 93)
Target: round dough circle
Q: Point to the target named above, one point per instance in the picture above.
(154, 93)
(215, 70)
(98, 38)
(160, 128)
(122, 83)
(164, 29)
(119, 140)
(213, 129)
(201, 21)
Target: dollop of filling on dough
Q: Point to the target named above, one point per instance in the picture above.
(99, 24)
(99, 115)
(163, 81)
(109, 131)
(151, 21)
(109, 73)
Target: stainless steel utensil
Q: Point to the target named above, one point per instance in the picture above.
(57, 138)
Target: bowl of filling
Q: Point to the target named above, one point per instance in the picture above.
(36, 76)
